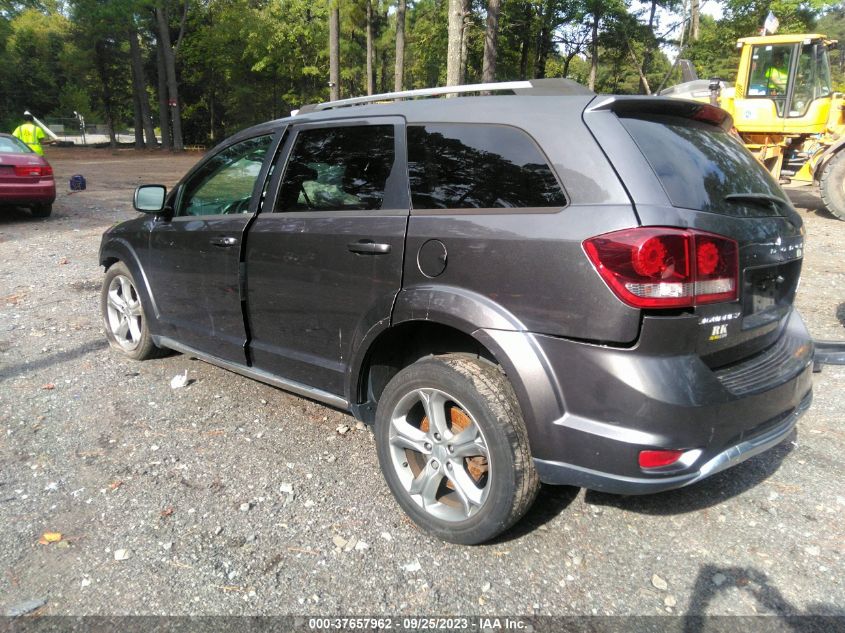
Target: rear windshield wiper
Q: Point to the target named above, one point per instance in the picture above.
(760, 199)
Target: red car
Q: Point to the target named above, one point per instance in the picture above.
(26, 179)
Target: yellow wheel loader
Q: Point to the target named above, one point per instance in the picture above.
(785, 111)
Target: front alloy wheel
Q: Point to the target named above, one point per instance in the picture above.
(123, 312)
(123, 315)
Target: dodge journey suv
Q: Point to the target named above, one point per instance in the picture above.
(532, 284)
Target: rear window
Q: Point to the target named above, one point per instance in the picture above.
(478, 166)
(704, 167)
(11, 145)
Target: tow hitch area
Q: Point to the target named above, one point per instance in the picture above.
(828, 353)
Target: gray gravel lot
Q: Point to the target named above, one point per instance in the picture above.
(231, 497)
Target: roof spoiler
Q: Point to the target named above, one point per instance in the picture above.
(632, 106)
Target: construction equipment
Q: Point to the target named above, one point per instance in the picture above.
(785, 111)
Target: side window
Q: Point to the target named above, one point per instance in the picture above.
(338, 168)
(453, 166)
(225, 183)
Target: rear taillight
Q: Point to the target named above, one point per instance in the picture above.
(33, 170)
(654, 267)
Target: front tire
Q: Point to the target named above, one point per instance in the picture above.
(832, 185)
(123, 315)
(453, 448)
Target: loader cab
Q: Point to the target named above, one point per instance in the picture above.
(783, 84)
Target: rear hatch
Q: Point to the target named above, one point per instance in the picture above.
(702, 178)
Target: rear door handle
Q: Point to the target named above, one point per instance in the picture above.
(224, 242)
(368, 247)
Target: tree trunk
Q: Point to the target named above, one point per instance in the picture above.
(385, 61)
(544, 39)
(163, 111)
(399, 69)
(465, 24)
(102, 72)
(371, 80)
(453, 53)
(139, 85)
(491, 39)
(137, 121)
(643, 79)
(525, 43)
(695, 20)
(170, 70)
(594, 52)
(334, 52)
(649, 50)
(566, 63)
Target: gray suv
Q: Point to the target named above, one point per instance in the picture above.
(544, 285)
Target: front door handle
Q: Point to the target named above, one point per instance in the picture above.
(224, 242)
(368, 247)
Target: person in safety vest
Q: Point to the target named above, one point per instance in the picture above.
(777, 74)
(31, 134)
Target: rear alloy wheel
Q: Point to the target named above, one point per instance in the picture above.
(41, 210)
(123, 315)
(832, 185)
(454, 450)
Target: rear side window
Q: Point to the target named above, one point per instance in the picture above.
(703, 167)
(338, 169)
(454, 166)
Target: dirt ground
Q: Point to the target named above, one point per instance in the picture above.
(232, 497)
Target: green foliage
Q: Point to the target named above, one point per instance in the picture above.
(245, 61)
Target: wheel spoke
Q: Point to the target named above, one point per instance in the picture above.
(126, 289)
(407, 436)
(469, 443)
(426, 484)
(469, 494)
(115, 300)
(123, 328)
(434, 403)
(134, 329)
(135, 309)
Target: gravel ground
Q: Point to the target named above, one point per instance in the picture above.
(231, 497)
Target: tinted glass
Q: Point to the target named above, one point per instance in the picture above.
(224, 184)
(338, 169)
(11, 145)
(700, 165)
(478, 166)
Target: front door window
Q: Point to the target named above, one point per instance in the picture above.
(224, 185)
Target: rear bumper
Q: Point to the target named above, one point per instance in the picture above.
(568, 474)
(611, 403)
(41, 192)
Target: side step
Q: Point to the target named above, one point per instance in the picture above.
(828, 353)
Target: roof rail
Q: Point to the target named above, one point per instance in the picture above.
(535, 86)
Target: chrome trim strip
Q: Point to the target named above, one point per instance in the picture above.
(257, 374)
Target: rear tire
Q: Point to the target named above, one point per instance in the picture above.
(832, 185)
(123, 315)
(468, 475)
(41, 210)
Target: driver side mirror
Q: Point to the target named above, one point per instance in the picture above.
(150, 198)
